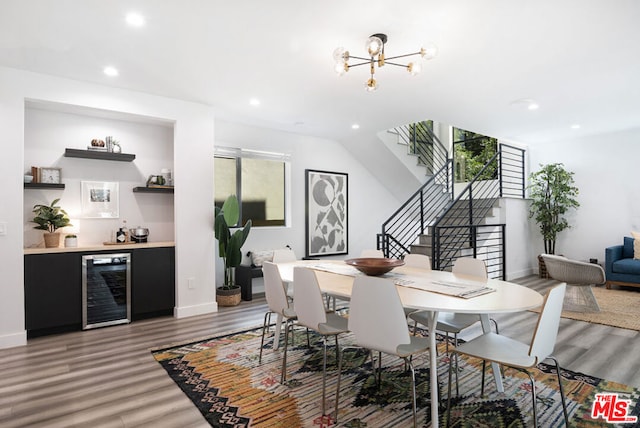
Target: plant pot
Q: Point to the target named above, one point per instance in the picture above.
(70, 242)
(51, 240)
(228, 296)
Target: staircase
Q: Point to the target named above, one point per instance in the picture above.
(457, 217)
(445, 223)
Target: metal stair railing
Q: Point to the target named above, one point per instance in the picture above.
(489, 245)
(422, 142)
(416, 214)
(455, 223)
(512, 171)
(455, 232)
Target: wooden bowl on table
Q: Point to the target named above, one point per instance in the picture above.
(374, 266)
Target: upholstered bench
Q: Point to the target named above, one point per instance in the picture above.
(621, 267)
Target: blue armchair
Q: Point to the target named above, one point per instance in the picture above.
(620, 266)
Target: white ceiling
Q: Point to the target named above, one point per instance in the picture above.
(577, 58)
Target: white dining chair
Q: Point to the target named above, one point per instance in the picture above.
(370, 253)
(520, 356)
(421, 261)
(312, 314)
(277, 300)
(377, 321)
(454, 323)
(283, 255)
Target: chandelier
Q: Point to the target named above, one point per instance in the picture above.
(375, 47)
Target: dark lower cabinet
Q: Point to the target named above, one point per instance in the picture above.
(52, 293)
(152, 282)
(53, 288)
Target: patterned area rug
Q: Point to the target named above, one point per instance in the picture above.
(222, 377)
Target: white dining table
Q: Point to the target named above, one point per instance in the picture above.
(506, 297)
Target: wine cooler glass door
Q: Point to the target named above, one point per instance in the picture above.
(106, 290)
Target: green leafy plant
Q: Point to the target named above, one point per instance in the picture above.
(50, 217)
(552, 193)
(230, 244)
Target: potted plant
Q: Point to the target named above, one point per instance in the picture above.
(552, 194)
(229, 246)
(50, 218)
(70, 241)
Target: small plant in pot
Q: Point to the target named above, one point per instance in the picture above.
(70, 241)
(229, 246)
(50, 218)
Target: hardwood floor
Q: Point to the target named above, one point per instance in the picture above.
(107, 377)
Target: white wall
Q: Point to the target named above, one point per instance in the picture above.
(193, 139)
(48, 133)
(193, 148)
(369, 202)
(606, 174)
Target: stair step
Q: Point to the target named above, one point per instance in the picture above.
(421, 249)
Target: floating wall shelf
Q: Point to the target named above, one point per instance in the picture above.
(43, 186)
(143, 189)
(94, 154)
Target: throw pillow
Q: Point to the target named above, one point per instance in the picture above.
(636, 245)
(258, 257)
(627, 247)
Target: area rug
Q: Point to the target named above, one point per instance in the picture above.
(618, 308)
(223, 378)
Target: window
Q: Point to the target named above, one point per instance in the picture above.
(471, 152)
(257, 179)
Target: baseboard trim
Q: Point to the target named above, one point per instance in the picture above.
(191, 311)
(520, 274)
(13, 340)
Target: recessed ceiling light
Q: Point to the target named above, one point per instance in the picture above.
(254, 102)
(110, 71)
(575, 126)
(527, 103)
(135, 19)
(355, 126)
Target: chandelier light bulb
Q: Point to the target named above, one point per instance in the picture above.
(430, 51)
(371, 85)
(415, 68)
(339, 54)
(373, 45)
(340, 68)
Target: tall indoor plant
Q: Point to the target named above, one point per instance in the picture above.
(50, 218)
(552, 194)
(230, 244)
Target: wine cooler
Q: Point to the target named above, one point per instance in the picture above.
(106, 290)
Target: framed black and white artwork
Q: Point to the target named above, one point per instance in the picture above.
(327, 230)
(100, 199)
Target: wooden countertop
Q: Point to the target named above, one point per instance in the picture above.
(99, 247)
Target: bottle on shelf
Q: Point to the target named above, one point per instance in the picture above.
(122, 235)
